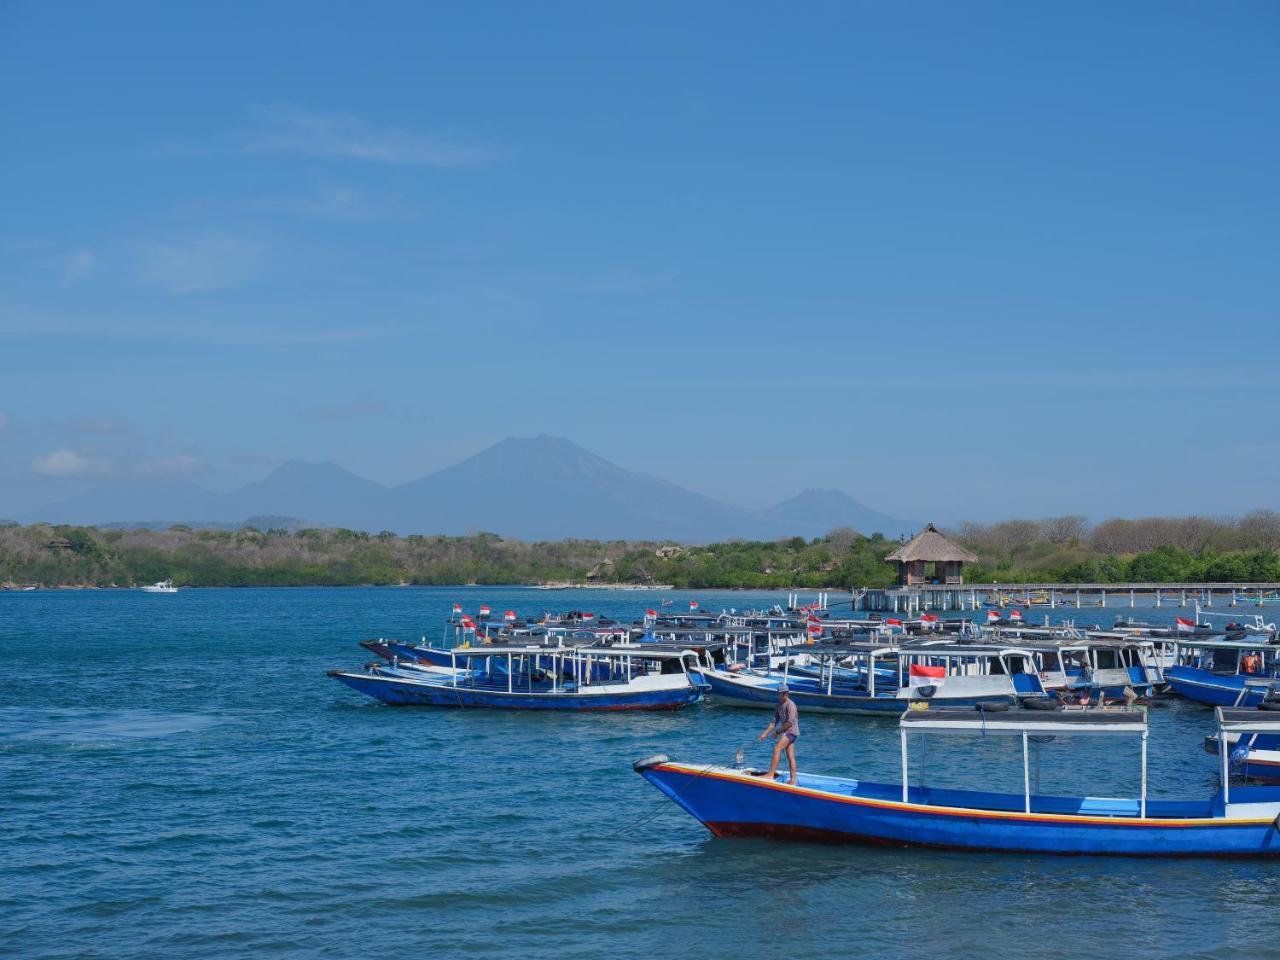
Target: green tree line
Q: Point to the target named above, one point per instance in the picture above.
(1018, 551)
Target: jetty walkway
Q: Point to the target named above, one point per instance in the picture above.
(921, 597)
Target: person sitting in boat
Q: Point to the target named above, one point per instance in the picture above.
(1251, 663)
(785, 727)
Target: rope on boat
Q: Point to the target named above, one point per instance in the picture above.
(642, 821)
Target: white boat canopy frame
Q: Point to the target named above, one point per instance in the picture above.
(1241, 721)
(1026, 724)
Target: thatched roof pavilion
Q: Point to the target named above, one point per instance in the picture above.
(930, 547)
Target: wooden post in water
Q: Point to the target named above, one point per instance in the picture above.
(1077, 598)
(1184, 597)
(1209, 598)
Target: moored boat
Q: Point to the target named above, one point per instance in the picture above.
(1228, 673)
(872, 680)
(540, 678)
(1235, 821)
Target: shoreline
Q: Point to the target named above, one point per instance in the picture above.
(65, 587)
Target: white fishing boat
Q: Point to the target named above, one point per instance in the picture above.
(161, 586)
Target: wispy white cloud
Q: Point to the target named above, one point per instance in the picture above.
(256, 459)
(79, 264)
(364, 407)
(11, 244)
(66, 463)
(201, 263)
(221, 334)
(177, 466)
(99, 425)
(286, 129)
(347, 205)
(71, 463)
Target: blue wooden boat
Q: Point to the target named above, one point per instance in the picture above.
(872, 680)
(1097, 666)
(1253, 756)
(1234, 822)
(539, 678)
(1222, 673)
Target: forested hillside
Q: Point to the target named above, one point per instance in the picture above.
(1061, 549)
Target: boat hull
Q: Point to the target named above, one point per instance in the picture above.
(401, 693)
(734, 804)
(1203, 686)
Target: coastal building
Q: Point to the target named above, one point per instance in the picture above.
(927, 549)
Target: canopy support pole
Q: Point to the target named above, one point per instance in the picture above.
(905, 769)
(1142, 804)
(1226, 770)
(1026, 774)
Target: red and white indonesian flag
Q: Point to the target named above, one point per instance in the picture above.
(588, 616)
(468, 623)
(993, 616)
(693, 604)
(651, 614)
(457, 608)
(1015, 616)
(892, 622)
(928, 618)
(814, 627)
(509, 616)
(922, 676)
(1186, 626)
(484, 611)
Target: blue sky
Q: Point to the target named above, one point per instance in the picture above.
(960, 260)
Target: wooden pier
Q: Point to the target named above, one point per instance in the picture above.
(919, 598)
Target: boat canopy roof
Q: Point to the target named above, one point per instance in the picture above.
(699, 632)
(1236, 720)
(910, 648)
(820, 651)
(648, 651)
(1259, 642)
(640, 647)
(1026, 721)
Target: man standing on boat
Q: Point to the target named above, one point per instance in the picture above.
(785, 727)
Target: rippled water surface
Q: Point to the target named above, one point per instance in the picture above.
(180, 779)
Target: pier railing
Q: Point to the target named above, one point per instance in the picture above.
(940, 596)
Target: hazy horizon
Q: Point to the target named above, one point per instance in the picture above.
(958, 262)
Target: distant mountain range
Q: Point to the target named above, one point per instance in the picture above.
(540, 488)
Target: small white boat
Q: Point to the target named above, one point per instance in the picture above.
(162, 586)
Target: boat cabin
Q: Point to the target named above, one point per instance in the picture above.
(564, 668)
(1231, 658)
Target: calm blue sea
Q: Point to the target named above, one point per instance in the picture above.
(178, 778)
